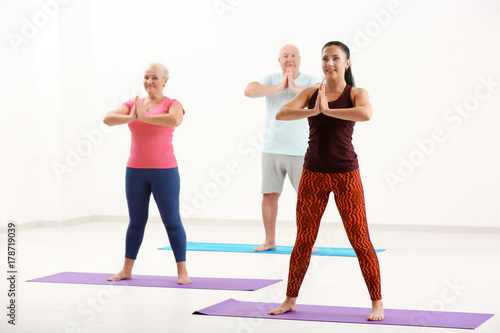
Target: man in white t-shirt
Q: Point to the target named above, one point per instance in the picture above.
(285, 142)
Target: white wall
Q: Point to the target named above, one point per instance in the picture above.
(420, 61)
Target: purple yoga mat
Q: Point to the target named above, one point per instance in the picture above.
(234, 308)
(159, 281)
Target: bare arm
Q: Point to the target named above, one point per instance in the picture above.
(362, 110)
(294, 88)
(255, 89)
(119, 116)
(172, 119)
(294, 109)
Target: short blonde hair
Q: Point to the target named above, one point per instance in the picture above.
(161, 67)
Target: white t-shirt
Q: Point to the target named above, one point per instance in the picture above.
(285, 137)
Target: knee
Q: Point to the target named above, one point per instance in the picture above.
(364, 250)
(138, 217)
(305, 243)
(135, 228)
(271, 197)
(176, 234)
(172, 222)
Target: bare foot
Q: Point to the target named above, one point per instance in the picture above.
(265, 247)
(377, 311)
(182, 273)
(287, 306)
(183, 279)
(120, 276)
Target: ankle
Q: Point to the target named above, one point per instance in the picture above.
(181, 267)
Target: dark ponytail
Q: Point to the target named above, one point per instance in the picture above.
(349, 78)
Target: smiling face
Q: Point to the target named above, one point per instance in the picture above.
(289, 59)
(154, 80)
(334, 62)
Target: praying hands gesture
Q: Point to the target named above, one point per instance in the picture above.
(255, 89)
(321, 101)
(288, 83)
(291, 83)
(295, 109)
(121, 115)
(139, 110)
(283, 84)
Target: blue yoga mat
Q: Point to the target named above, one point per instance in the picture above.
(248, 248)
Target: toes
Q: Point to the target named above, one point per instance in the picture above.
(375, 318)
(184, 281)
(280, 310)
(263, 248)
(275, 312)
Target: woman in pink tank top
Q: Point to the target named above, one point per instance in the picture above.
(331, 165)
(152, 168)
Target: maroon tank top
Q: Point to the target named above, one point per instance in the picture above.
(330, 139)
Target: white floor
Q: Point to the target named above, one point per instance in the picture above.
(420, 270)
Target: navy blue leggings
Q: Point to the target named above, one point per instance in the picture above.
(165, 186)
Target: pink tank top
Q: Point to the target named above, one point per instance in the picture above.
(151, 146)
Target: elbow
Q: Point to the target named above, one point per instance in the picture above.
(109, 119)
(177, 122)
(367, 115)
(106, 121)
(248, 92)
(252, 90)
(284, 113)
(280, 115)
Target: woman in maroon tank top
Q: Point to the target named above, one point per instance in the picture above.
(331, 165)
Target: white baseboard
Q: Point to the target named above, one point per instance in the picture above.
(250, 223)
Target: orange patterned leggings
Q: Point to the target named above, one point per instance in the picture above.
(314, 190)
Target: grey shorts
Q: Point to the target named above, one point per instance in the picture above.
(275, 167)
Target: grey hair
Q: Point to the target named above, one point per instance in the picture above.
(161, 67)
